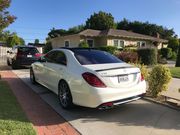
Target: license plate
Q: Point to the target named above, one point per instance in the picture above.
(122, 79)
(29, 56)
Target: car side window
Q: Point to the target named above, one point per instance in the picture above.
(50, 57)
(57, 57)
(60, 58)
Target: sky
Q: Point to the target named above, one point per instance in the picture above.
(35, 18)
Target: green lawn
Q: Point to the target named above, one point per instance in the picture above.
(13, 120)
(175, 71)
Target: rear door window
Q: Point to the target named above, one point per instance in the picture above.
(50, 57)
(57, 57)
(60, 58)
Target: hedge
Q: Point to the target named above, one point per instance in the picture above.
(83, 44)
(147, 56)
(166, 53)
(110, 49)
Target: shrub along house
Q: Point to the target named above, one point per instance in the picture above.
(111, 37)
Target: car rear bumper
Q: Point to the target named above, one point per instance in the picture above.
(25, 62)
(96, 97)
(118, 102)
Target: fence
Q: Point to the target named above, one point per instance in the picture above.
(3, 54)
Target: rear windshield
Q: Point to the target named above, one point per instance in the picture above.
(28, 50)
(88, 57)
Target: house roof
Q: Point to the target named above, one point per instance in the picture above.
(37, 45)
(119, 33)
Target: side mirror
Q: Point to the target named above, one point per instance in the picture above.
(42, 59)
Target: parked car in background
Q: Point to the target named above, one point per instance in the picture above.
(88, 77)
(22, 56)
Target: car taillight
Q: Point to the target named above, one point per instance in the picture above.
(19, 54)
(93, 80)
(37, 55)
(142, 77)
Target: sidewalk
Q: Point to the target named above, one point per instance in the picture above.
(45, 120)
(173, 90)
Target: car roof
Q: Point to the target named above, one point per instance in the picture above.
(77, 48)
(28, 46)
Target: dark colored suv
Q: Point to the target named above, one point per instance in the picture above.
(22, 56)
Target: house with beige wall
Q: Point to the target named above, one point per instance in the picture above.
(111, 37)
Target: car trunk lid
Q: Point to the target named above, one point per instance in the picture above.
(117, 74)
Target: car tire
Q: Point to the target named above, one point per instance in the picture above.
(64, 95)
(32, 77)
(14, 65)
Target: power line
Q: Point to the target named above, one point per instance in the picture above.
(35, 28)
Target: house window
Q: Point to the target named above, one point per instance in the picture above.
(118, 43)
(66, 43)
(141, 44)
(121, 44)
(90, 42)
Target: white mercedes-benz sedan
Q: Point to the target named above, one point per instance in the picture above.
(88, 77)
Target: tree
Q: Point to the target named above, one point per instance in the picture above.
(100, 21)
(4, 35)
(146, 28)
(5, 17)
(11, 39)
(47, 47)
(173, 44)
(22, 42)
(36, 41)
(62, 32)
(14, 39)
(76, 29)
(124, 24)
(55, 32)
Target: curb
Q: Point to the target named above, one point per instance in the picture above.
(160, 103)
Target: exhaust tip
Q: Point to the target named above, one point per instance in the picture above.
(107, 105)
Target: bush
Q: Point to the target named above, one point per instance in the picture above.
(47, 47)
(144, 70)
(110, 49)
(131, 57)
(83, 44)
(159, 79)
(178, 59)
(130, 49)
(173, 56)
(166, 53)
(147, 56)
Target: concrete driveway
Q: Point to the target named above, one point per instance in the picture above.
(140, 117)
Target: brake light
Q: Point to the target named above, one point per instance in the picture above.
(37, 55)
(142, 77)
(19, 54)
(93, 80)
